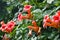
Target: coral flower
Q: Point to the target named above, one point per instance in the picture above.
(29, 16)
(54, 22)
(7, 27)
(46, 18)
(58, 13)
(3, 26)
(27, 7)
(34, 23)
(35, 28)
(20, 17)
(55, 18)
(10, 26)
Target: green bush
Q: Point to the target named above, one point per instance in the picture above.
(9, 10)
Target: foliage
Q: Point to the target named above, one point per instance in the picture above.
(9, 10)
